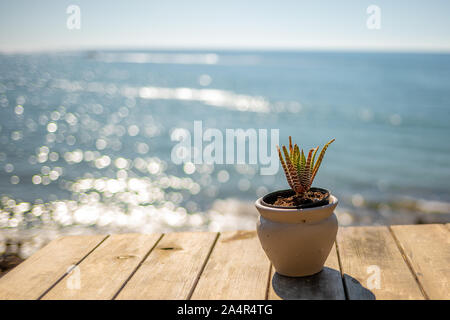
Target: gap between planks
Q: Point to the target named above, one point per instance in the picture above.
(45, 268)
(237, 268)
(74, 266)
(191, 292)
(427, 250)
(411, 269)
(103, 272)
(341, 270)
(367, 251)
(269, 281)
(138, 266)
(171, 270)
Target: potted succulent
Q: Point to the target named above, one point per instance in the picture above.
(297, 227)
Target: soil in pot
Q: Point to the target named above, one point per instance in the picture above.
(288, 199)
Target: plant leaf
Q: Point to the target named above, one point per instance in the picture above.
(319, 160)
(285, 169)
(303, 161)
(303, 172)
(307, 182)
(313, 157)
(297, 156)
(290, 145)
(292, 172)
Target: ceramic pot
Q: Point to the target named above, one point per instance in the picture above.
(297, 241)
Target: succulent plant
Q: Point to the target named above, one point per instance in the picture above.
(300, 170)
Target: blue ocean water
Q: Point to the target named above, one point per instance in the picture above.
(85, 136)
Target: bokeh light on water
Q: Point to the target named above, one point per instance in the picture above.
(85, 138)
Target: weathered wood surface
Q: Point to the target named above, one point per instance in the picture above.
(412, 262)
(31, 278)
(104, 271)
(237, 269)
(172, 268)
(373, 266)
(427, 250)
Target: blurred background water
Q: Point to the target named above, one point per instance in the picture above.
(85, 137)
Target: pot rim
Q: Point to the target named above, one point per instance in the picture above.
(297, 215)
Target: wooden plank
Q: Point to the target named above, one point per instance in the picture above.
(237, 269)
(105, 270)
(172, 269)
(34, 276)
(427, 249)
(373, 265)
(326, 285)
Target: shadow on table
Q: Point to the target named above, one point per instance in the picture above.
(325, 285)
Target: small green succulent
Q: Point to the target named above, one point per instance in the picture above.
(300, 170)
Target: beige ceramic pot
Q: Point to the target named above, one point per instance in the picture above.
(297, 241)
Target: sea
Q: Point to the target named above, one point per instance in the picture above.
(86, 138)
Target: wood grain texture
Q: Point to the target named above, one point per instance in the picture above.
(172, 268)
(34, 276)
(237, 269)
(413, 262)
(427, 248)
(106, 269)
(367, 251)
(326, 285)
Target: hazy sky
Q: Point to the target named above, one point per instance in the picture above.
(415, 25)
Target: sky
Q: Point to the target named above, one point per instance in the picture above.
(414, 25)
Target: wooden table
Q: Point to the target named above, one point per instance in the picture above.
(397, 262)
